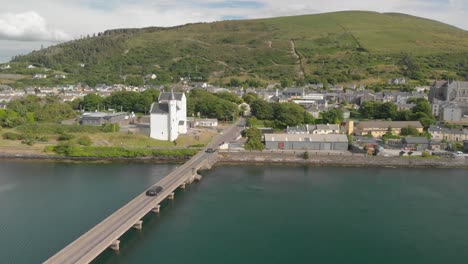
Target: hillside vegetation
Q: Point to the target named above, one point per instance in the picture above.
(337, 47)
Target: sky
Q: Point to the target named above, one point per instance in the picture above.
(26, 25)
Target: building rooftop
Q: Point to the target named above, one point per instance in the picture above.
(416, 140)
(166, 96)
(387, 124)
(161, 108)
(306, 138)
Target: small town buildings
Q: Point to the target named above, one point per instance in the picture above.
(402, 107)
(297, 130)
(336, 142)
(294, 92)
(397, 81)
(169, 116)
(39, 76)
(416, 143)
(205, 122)
(448, 134)
(379, 128)
(60, 76)
(313, 129)
(5, 67)
(325, 129)
(451, 113)
(100, 118)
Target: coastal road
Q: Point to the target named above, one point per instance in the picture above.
(87, 247)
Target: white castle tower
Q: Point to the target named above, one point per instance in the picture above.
(169, 116)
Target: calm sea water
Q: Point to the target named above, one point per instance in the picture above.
(242, 214)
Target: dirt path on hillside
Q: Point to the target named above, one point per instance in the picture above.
(296, 55)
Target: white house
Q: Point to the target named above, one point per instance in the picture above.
(39, 76)
(169, 116)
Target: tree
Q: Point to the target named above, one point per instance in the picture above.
(288, 114)
(254, 139)
(368, 109)
(229, 97)
(234, 82)
(261, 109)
(285, 83)
(252, 122)
(250, 97)
(91, 102)
(422, 106)
(308, 118)
(387, 111)
(55, 112)
(409, 131)
(333, 116)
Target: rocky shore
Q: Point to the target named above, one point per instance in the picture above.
(256, 157)
(91, 159)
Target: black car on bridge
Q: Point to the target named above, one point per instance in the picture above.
(154, 191)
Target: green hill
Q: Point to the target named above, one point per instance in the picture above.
(335, 47)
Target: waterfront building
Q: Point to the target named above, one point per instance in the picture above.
(448, 134)
(100, 118)
(331, 142)
(379, 128)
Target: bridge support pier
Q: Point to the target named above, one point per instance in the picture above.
(156, 209)
(138, 225)
(115, 245)
(171, 196)
(198, 177)
(183, 186)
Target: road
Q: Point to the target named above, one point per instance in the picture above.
(99, 238)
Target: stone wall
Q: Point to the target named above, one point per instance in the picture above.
(344, 159)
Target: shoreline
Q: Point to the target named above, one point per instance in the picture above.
(263, 158)
(55, 158)
(246, 157)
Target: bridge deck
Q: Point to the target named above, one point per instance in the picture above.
(87, 247)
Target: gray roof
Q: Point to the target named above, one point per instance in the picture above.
(297, 129)
(161, 108)
(167, 95)
(416, 140)
(306, 138)
(387, 124)
(327, 127)
(447, 130)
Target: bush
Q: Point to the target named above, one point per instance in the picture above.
(67, 149)
(54, 128)
(109, 128)
(65, 137)
(85, 141)
(12, 136)
(426, 154)
(29, 141)
(306, 155)
(42, 139)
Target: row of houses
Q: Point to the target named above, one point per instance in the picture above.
(330, 142)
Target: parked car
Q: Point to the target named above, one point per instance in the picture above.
(154, 191)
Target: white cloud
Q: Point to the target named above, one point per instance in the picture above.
(28, 26)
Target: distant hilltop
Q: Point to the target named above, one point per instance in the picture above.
(336, 48)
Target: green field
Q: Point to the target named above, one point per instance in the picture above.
(335, 47)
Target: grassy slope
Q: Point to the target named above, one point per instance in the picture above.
(326, 43)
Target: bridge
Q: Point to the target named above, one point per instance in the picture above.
(107, 233)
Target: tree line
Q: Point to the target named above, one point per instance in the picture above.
(378, 110)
